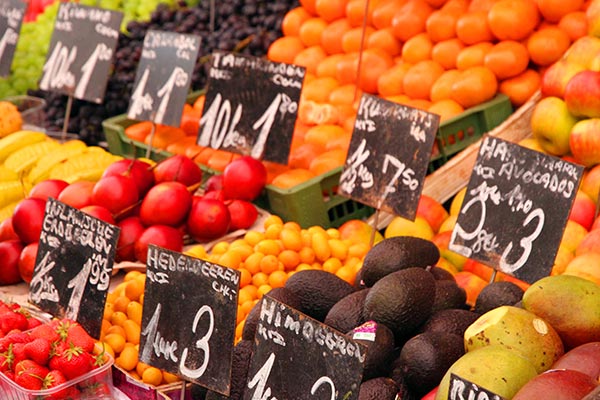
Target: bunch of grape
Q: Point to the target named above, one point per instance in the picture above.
(248, 26)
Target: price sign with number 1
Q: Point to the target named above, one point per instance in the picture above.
(11, 17)
(81, 51)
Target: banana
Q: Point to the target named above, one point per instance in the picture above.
(23, 159)
(90, 174)
(82, 162)
(7, 211)
(41, 170)
(13, 142)
(7, 174)
(11, 191)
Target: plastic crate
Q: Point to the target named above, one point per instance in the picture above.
(99, 376)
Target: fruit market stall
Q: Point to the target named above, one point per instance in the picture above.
(297, 200)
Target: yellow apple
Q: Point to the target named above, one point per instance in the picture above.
(405, 227)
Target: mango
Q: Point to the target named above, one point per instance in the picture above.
(570, 304)
(518, 330)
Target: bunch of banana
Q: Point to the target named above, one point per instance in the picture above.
(41, 170)
(88, 165)
(15, 141)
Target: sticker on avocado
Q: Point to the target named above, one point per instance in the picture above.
(367, 331)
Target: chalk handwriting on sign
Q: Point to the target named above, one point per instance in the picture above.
(73, 265)
(247, 100)
(81, 51)
(287, 340)
(504, 220)
(462, 389)
(11, 18)
(163, 77)
(189, 318)
(388, 156)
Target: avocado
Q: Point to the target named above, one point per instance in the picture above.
(242, 354)
(425, 358)
(440, 274)
(451, 321)
(401, 300)
(317, 291)
(496, 294)
(281, 294)
(397, 253)
(347, 313)
(448, 295)
(379, 340)
(378, 389)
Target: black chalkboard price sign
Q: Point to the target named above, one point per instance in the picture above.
(388, 155)
(163, 77)
(515, 209)
(189, 318)
(11, 17)
(73, 265)
(297, 357)
(251, 106)
(462, 389)
(81, 51)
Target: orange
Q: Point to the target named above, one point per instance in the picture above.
(341, 142)
(419, 103)
(473, 55)
(330, 10)
(436, 3)
(164, 136)
(344, 94)
(292, 178)
(152, 376)
(319, 89)
(513, 19)
(289, 258)
(309, 5)
(507, 59)
(446, 108)
(355, 12)
(259, 279)
(293, 20)
(442, 88)
(384, 12)
(420, 77)
(481, 5)
(417, 48)
(374, 62)
(347, 69)
(220, 159)
(352, 39)
(574, 24)
(327, 161)
(347, 274)
(183, 145)
(277, 279)
(269, 264)
(311, 30)
(331, 37)
(474, 86)
(473, 27)
(328, 67)
(321, 134)
(301, 156)
(139, 131)
(399, 98)
(554, 10)
(285, 49)
(312, 113)
(521, 87)
(441, 25)
(548, 45)
(385, 40)
(310, 58)
(390, 82)
(446, 52)
(410, 19)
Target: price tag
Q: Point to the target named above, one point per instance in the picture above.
(288, 342)
(251, 106)
(163, 77)
(461, 389)
(515, 210)
(189, 318)
(73, 265)
(81, 51)
(388, 156)
(11, 17)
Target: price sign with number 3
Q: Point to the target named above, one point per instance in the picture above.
(81, 51)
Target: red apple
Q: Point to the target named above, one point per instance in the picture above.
(215, 182)
(433, 211)
(359, 231)
(163, 236)
(551, 125)
(583, 210)
(582, 94)
(585, 141)
(131, 230)
(215, 194)
(244, 178)
(77, 194)
(557, 384)
(590, 183)
(208, 219)
(590, 243)
(10, 250)
(99, 212)
(584, 358)
(27, 261)
(139, 171)
(556, 77)
(27, 219)
(178, 168)
(243, 214)
(48, 188)
(7, 231)
(115, 192)
(166, 203)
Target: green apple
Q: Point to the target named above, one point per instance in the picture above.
(551, 125)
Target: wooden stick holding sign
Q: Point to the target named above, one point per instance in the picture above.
(81, 52)
(388, 156)
(11, 18)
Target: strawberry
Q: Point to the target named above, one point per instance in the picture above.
(38, 350)
(53, 379)
(72, 361)
(6, 360)
(30, 375)
(13, 320)
(77, 335)
(33, 322)
(45, 331)
(18, 351)
(97, 390)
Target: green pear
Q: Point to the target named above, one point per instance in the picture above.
(494, 368)
(518, 330)
(570, 304)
